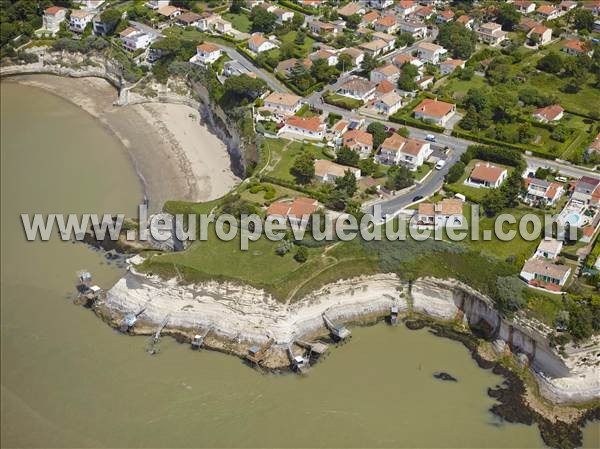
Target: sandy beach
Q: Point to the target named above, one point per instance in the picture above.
(174, 153)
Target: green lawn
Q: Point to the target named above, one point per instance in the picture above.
(240, 22)
(281, 170)
(422, 171)
(582, 102)
(299, 50)
(342, 101)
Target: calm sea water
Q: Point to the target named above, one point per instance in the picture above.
(68, 380)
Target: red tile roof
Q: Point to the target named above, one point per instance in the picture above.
(309, 123)
(434, 108)
(486, 172)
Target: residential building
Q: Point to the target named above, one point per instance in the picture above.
(357, 56)
(80, 19)
(424, 13)
(381, 4)
(425, 82)
(486, 175)
(388, 103)
(304, 127)
(286, 66)
(450, 65)
(567, 6)
(359, 141)
(296, 211)
(524, 6)
(491, 33)
(446, 213)
(390, 39)
(445, 16)
(552, 113)
(417, 30)
(327, 55)
(435, 111)
(169, 11)
(52, 18)
(402, 59)
(134, 38)
(540, 191)
(369, 18)
(387, 72)
(283, 15)
(206, 21)
(187, 19)
(351, 9)
(430, 52)
(376, 47)
(594, 146)
(327, 171)
(575, 47)
(259, 44)
(540, 34)
(544, 274)
(311, 3)
(318, 27)
(357, 88)
(398, 150)
(284, 103)
(548, 249)
(89, 4)
(467, 21)
(386, 24)
(157, 4)
(406, 7)
(548, 12)
(222, 26)
(586, 190)
(527, 24)
(383, 88)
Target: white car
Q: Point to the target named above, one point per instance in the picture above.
(440, 164)
(430, 137)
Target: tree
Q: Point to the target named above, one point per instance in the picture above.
(369, 63)
(403, 131)
(583, 19)
(377, 130)
(399, 177)
(304, 168)
(404, 40)
(347, 183)
(407, 82)
(301, 255)
(508, 16)
(353, 21)
(236, 6)
(580, 322)
(284, 247)
(457, 38)
(296, 24)
(367, 166)
(262, 20)
(300, 76)
(322, 71)
(455, 172)
(111, 18)
(493, 202)
(347, 156)
(551, 63)
(345, 62)
(243, 86)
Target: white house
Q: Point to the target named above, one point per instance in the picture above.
(89, 4)
(169, 11)
(284, 103)
(304, 127)
(435, 111)
(548, 12)
(417, 30)
(388, 103)
(552, 113)
(351, 9)
(318, 27)
(486, 175)
(52, 18)
(157, 4)
(386, 24)
(327, 55)
(283, 15)
(445, 16)
(430, 52)
(406, 7)
(358, 88)
(549, 249)
(388, 72)
(357, 56)
(575, 47)
(80, 19)
(467, 21)
(396, 150)
(446, 213)
(206, 54)
(450, 65)
(206, 21)
(541, 34)
(524, 6)
(540, 191)
(491, 33)
(381, 4)
(258, 43)
(376, 47)
(134, 39)
(545, 274)
(359, 141)
(222, 26)
(327, 171)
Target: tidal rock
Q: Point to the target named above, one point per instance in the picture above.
(445, 376)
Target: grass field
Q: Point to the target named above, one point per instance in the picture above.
(342, 101)
(286, 155)
(582, 102)
(240, 22)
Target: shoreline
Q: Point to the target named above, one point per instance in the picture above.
(174, 154)
(241, 316)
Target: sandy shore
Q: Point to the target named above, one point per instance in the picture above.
(174, 154)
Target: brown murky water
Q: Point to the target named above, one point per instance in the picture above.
(70, 381)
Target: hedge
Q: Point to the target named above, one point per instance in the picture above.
(290, 185)
(410, 121)
(303, 93)
(296, 7)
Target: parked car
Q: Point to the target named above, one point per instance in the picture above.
(430, 137)
(418, 197)
(440, 164)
